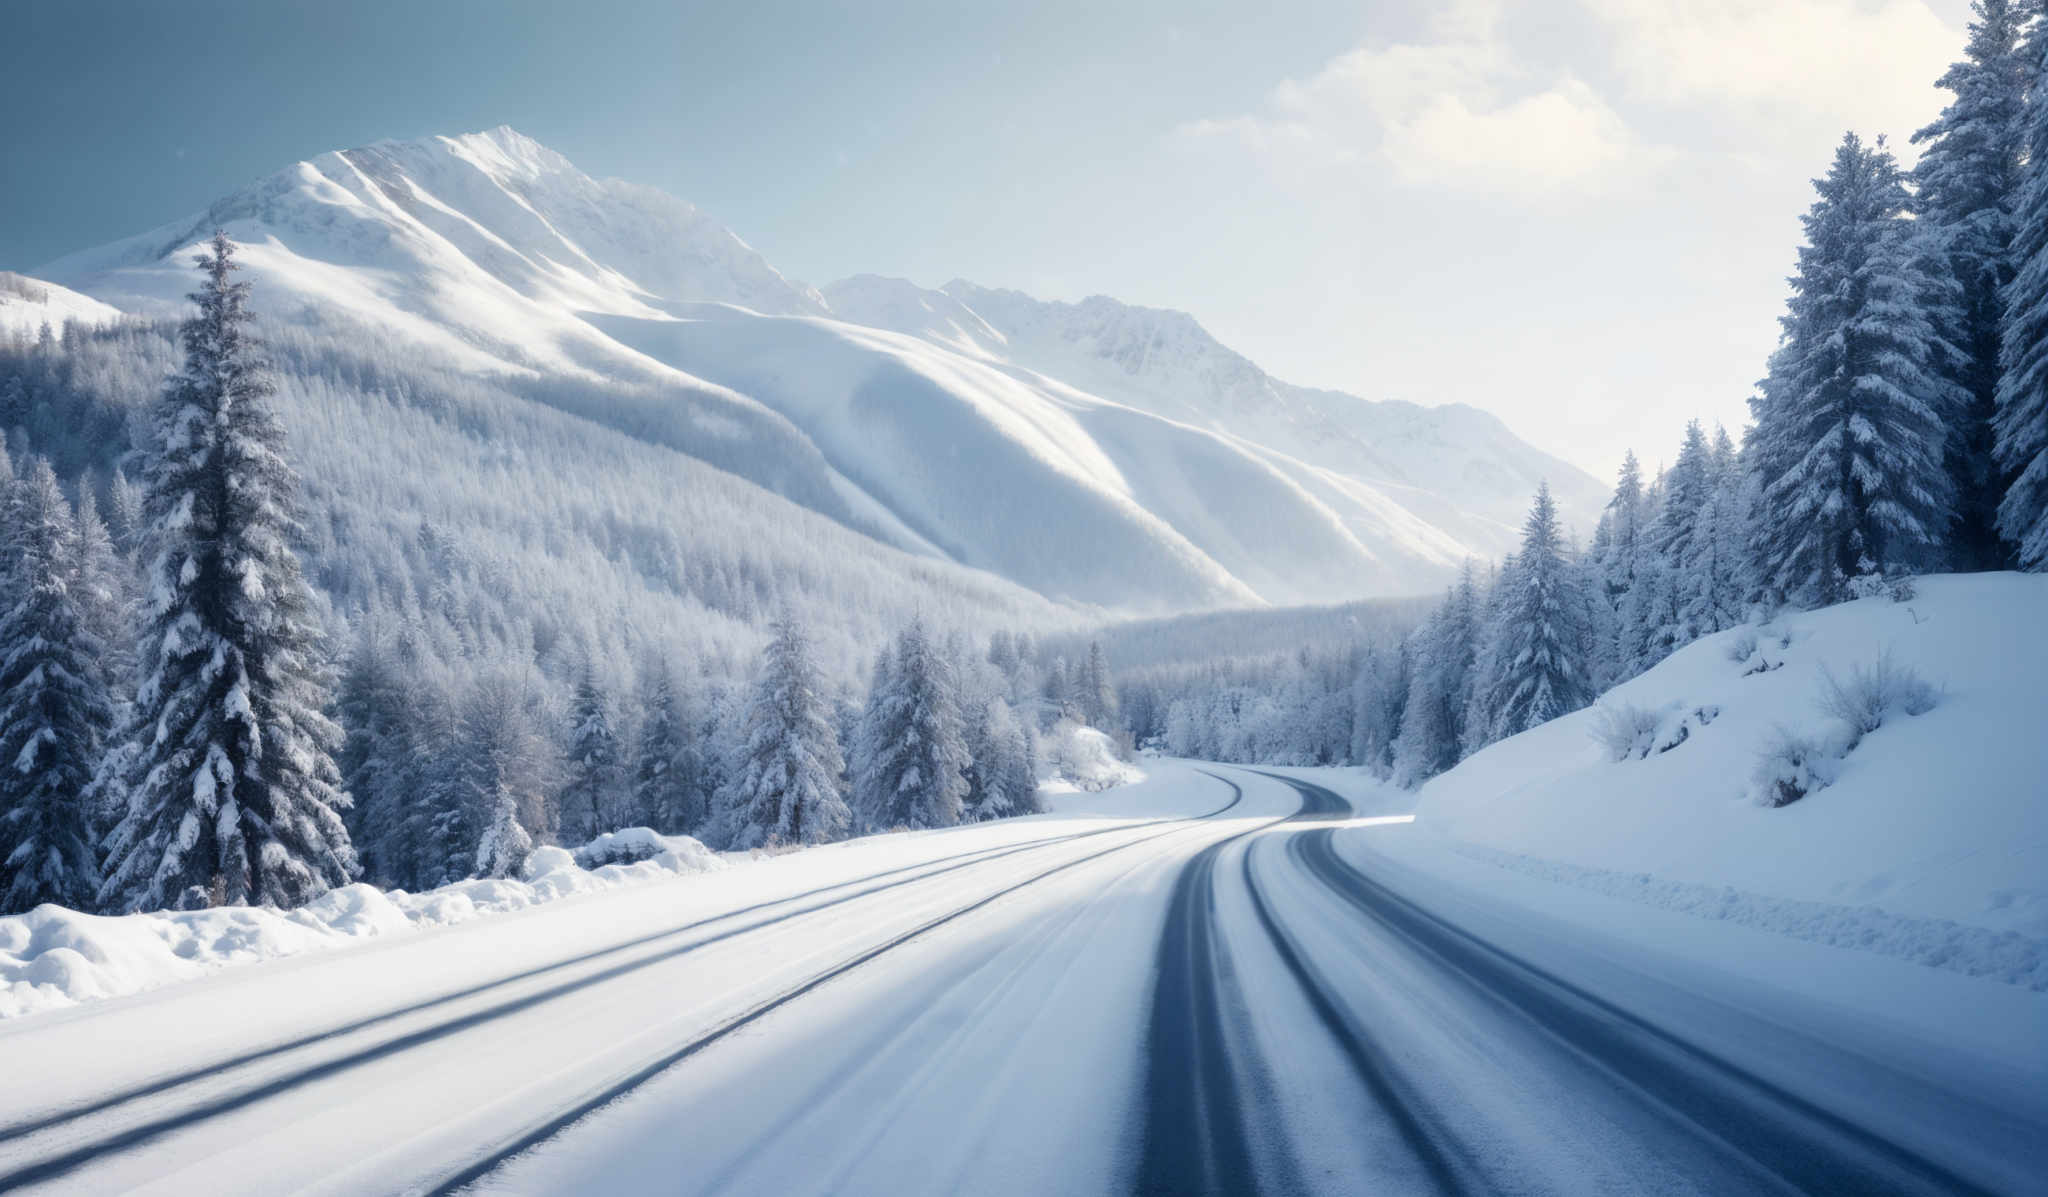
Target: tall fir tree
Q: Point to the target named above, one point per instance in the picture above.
(1002, 774)
(667, 775)
(785, 785)
(914, 758)
(1099, 708)
(233, 795)
(1851, 422)
(1544, 637)
(590, 803)
(54, 706)
(2022, 421)
(1968, 182)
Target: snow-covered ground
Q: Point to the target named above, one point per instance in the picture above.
(1935, 816)
(27, 304)
(52, 957)
(1213, 979)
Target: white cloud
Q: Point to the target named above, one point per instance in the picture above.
(1467, 106)
(1456, 112)
(1799, 67)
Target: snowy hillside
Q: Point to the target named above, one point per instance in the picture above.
(1454, 467)
(27, 304)
(1930, 817)
(1094, 453)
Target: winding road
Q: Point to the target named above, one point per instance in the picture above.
(1213, 986)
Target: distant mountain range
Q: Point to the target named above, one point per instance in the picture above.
(1095, 453)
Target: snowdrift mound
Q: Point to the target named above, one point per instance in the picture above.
(53, 957)
(1919, 828)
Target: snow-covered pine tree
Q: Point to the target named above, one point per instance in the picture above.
(786, 775)
(1098, 692)
(2022, 421)
(233, 794)
(54, 706)
(1544, 632)
(1968, 180)
(589, 804)
(1003, 773)
(914, 755)
(1711, 595)
(1433, 724)
(1379, 698)
(667, 786)
(1852, 419)
(504, 767)
(1628, 514)
(1686, 486)
(124, 514)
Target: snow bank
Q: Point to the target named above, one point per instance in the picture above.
(1929, 841)
(52, 957)
(1081, 758)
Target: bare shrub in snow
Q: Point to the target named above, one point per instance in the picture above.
(1743, 647)
(1624, 730)
(1792, 766)
(1872, 693)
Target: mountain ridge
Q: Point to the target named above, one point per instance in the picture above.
(1168, 471)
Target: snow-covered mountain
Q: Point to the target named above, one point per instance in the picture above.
(1091, 452)
(28, 304)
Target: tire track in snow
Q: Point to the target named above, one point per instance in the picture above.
(81, 1154)
(1195, 1134)
(1784, 1137)
(479, 1169)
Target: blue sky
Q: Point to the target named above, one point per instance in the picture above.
(1575, 213)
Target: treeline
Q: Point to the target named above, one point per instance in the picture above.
(181, 729)
(1901, 429)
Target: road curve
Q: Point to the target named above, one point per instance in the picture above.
(1747, 1133)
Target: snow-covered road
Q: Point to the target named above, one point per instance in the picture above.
(1210, 982)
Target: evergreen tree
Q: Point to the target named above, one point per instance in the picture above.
(54, 706)
(1968, 181)
(667, 784)
(1686, 487)
(1097, 695)
(1544, 635)
(1712, 581)
(914, 753)
(1851, 419)
(2022, 420)
(590, 803)
(785, 785)
(124, 515)
(503, 769)
(1432, 735)
(1003, 774)
(233, 794)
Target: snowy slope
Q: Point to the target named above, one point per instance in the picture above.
(1933, 819)
(27, 304)
(1096, 453)
(1453, 467)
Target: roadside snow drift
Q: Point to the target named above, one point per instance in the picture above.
(52, 956)
(1926, 838)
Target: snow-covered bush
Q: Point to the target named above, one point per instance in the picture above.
(1872, 693)
(1792, 766)
(1624, 730)
(1743, 647)
(1085, 758)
